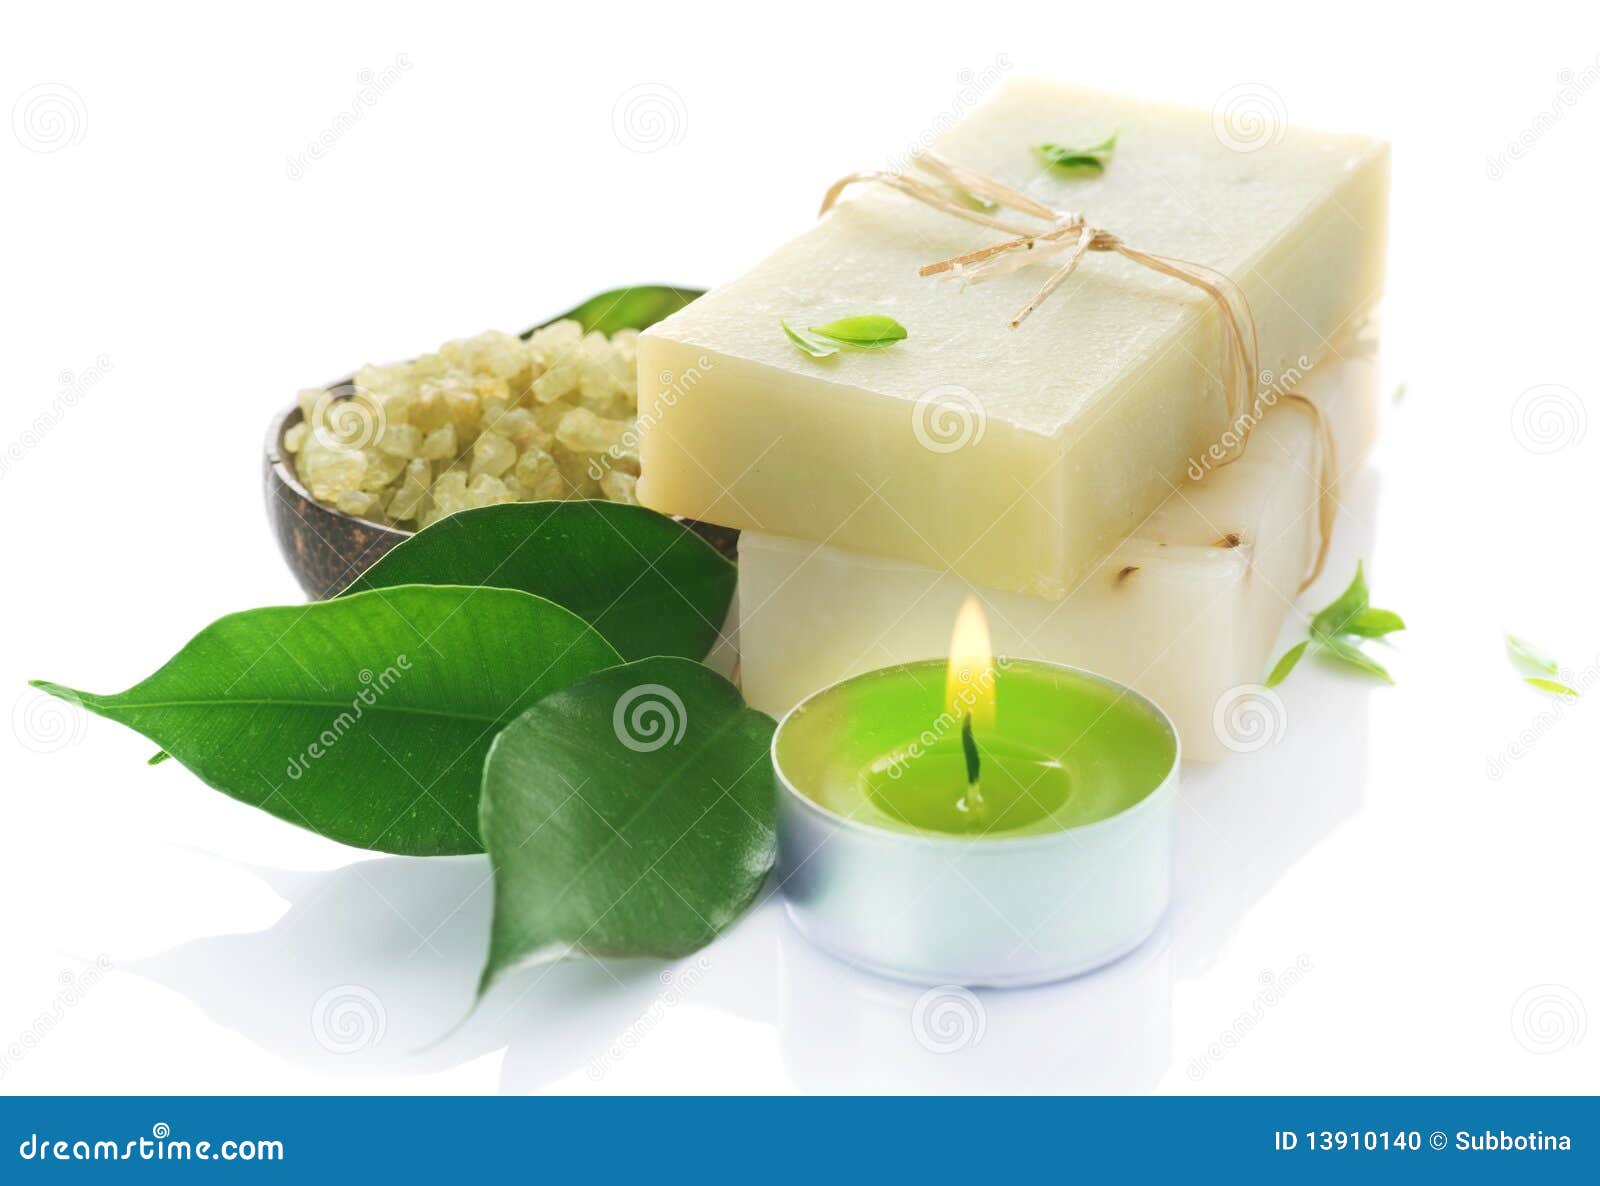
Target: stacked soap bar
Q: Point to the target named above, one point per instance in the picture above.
(1016, 458)
(1183, 610)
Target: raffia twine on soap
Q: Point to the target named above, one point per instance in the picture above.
(1071, 237)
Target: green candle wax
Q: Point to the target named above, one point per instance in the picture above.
(1017, 787)
(1063, 749)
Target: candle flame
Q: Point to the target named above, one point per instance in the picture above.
(969, 680)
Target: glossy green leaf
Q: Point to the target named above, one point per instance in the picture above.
(1550, 685)
(649, 584)
(637, 307)
(1528, 657)
(1282, 668)
(809, 343)
(366, 718)
(1374, 623)
(1090, 157)
(1351, 655)
(630, 813)
(870, 331)
(1336, 618)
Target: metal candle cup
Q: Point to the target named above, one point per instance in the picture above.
(1070, 870)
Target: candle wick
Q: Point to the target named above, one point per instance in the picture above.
(973, 800)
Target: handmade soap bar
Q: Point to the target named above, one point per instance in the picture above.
(1183, 610)
(1015, 457)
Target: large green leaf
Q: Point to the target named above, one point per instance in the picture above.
(638, 306)
(630, 813)
(366, 718)
(646, 582)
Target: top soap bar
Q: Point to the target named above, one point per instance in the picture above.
(1014, 457)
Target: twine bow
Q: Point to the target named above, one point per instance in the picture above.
(1070, 236)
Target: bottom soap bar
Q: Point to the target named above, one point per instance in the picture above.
(1183, 610)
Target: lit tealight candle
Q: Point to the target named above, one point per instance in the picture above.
(979, 821)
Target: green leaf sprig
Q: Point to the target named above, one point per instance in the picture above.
(1090, 158)
(1337, 631)
(869, 331)
(1538, 669)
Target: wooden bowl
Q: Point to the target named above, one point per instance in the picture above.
(327, 549)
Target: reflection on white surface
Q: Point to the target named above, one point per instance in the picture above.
(848, 1031)
(373, 964)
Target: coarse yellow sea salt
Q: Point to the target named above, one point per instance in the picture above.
(1184, 611)
(1016, 458)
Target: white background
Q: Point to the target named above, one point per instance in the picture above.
(170, 280)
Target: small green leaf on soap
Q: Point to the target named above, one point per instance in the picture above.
(870, 331)
(1399, 393)
(1092, 157)
(1527, 657)
(1281, 669)
(1374, 623)
(1337, 616)
(631, 813)
(1351, 655)
(808, 343)
(973, 202)
(158, 757)
(1550, 685)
